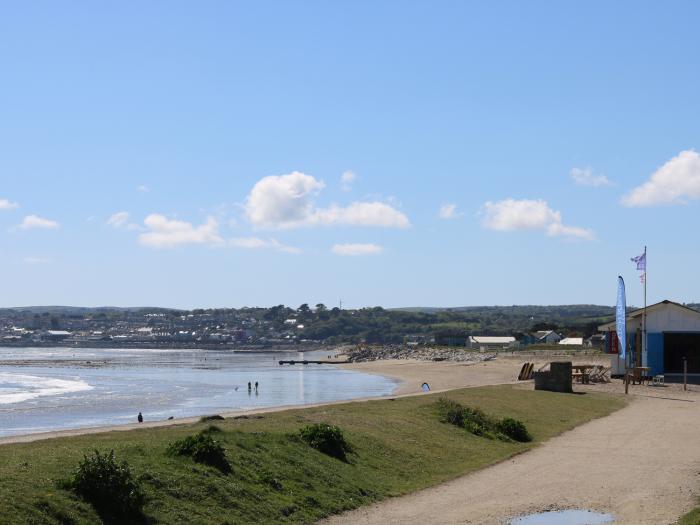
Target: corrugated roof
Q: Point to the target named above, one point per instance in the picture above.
(639, 311)
(488, 339)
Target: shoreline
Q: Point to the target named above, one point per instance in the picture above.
(409, 374)
(404, 372)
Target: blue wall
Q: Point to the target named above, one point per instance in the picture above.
(655, 353)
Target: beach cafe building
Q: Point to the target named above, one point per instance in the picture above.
(673, 333)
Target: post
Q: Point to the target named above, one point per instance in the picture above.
(627, 381)
(685, 374)
(644, 315)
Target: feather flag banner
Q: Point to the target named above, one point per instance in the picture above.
(621, 318)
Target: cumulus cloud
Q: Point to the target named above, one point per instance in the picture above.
(346, 179)
(353, 249)
(255, 243)
(7, 205)
(31, 222)
(525, 214)
(169, 233)
(449, 211)
(287, 201)
(586, 177)
(676, 182)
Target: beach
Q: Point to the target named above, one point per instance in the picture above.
(642, 472)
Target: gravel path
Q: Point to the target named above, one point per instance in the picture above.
(642, 464)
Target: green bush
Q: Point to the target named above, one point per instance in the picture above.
(514, 429)
(326, 438)
(203, 449)
(108, 486)
(478, 423)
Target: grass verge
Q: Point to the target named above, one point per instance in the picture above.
(398, 446)
(692, 518)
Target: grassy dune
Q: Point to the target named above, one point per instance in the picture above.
(399, 446)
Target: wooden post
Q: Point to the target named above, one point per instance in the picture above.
(627, 381)
(685, 374)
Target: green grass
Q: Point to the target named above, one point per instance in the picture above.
(692, 518)
(398, 446)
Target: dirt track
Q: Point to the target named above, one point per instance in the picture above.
(641, 463)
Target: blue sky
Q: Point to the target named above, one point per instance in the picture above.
(382, 153)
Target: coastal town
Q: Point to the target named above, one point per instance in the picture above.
(276, 327)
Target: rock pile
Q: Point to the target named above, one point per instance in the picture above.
(422, 353)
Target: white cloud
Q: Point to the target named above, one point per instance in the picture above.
(356, 249)
(119, 219)
(35, 222)
(346, 179)
(255, 243)
(143, 189)
(676, 182)
(36, 260)
(361, 214)
(586, 177)
(282, 201)
(7, 205)
(169, 233)
(287, 201)
(449, 211)
(513, 215)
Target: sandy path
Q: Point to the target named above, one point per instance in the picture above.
(641, 463)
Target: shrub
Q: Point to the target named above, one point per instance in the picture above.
(514, 429)
(215, 417)
(202, 448)
(108, 486)
(478, 423)
(326, 438)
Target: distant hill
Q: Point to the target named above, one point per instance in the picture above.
(82, 310)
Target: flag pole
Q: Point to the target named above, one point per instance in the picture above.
(644, 317)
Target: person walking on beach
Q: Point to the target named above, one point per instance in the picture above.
(140, 417)
(249, 388)
(256, 386)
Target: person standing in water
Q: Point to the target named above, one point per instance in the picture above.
(256, 386)
(249, 387)
(140, 417)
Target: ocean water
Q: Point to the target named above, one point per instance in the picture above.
(44, 389)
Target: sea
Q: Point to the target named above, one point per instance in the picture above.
(45, 389)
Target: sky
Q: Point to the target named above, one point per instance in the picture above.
(443, 153)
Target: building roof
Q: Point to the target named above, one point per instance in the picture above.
(634, 314)
(58, 332)
(572, 341)
(494, 340)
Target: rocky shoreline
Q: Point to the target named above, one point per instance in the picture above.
(365, 354)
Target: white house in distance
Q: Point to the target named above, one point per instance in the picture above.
(572, 341)
(673, 333)
(488, 342)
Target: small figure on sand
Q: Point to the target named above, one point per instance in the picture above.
(140, 417)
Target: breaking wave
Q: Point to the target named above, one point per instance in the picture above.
(15, 388)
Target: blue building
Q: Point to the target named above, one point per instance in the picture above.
(673, 334)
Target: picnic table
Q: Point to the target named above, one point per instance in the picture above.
(581, 373)
(639, 373)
